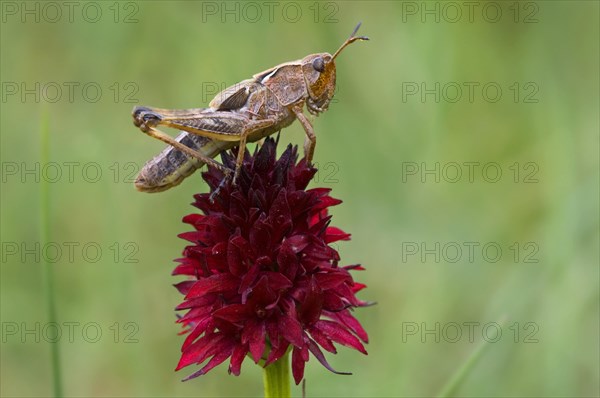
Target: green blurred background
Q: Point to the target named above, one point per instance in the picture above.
(375, 145)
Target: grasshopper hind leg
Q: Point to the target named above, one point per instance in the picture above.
(218, 126)
(144, 118)
(167, 139)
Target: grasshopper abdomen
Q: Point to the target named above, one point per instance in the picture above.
(171, 166)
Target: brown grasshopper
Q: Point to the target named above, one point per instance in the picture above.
(245, 112)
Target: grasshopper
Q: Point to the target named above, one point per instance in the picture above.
(245, 112)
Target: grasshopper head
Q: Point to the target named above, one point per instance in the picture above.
(319, 73)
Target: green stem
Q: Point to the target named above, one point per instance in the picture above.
(276, 378)
(47, 270)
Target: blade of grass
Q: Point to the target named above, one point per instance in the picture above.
(47, 268)
(460, 375)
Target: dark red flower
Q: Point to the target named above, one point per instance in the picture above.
(263, 276)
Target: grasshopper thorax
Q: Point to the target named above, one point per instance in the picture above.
(319, 74)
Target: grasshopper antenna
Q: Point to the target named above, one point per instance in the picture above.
(350, 40)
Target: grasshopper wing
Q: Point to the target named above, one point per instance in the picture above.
(234, 97)
(218, 125)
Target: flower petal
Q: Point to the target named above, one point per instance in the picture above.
(322, 340)
(280, 217)
(333, 278)
(297, 365)
(237, 357)
(312, 305)
(254, 334)
(349, 321)
(217, 359)
(234, 313)
(203, 348)
(198, 329)
(297, 243)
(291, 330)
(333, 234)
(214, 283)
(314, 348)
(339, 334)
(287, 261)
(277, 353)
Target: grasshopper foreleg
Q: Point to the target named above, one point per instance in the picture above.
(311, 139)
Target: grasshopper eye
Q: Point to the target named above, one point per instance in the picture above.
(318, 64)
